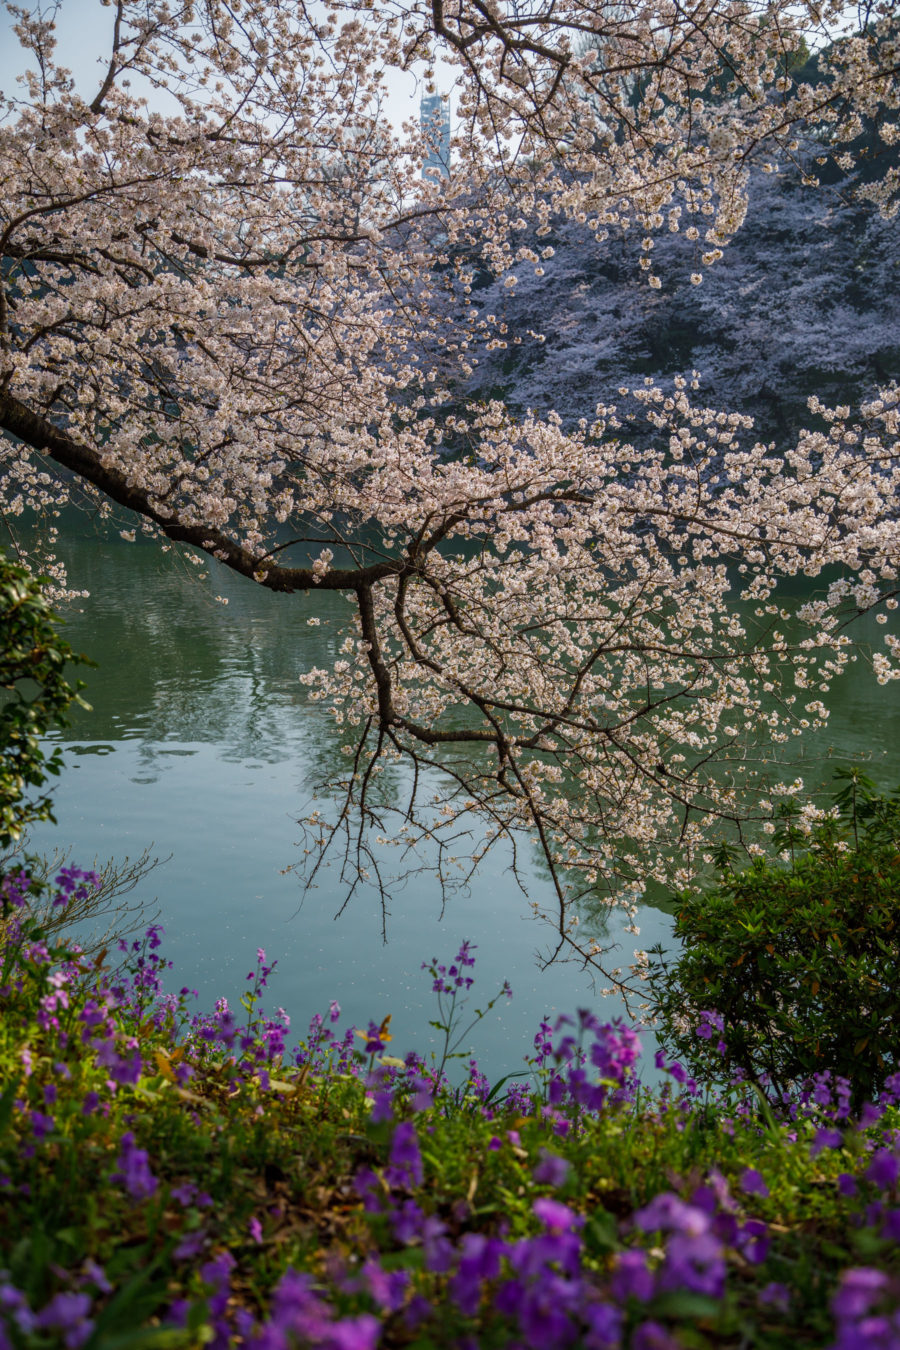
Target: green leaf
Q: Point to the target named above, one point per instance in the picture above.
(601, 1233)
(149, 1338)
(499, 1084)
(681, 1303)
(7, 1101)
(132, 1303)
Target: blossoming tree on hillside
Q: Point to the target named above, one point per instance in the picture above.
(230, 304)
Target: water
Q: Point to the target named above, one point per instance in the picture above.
(201, 743)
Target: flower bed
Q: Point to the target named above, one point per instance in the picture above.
(175, 1178)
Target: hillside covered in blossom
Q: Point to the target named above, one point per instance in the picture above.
(804, 301)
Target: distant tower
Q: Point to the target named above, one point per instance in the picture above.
(434, 116)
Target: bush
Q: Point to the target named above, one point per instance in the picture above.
(32, 660)
(789, 968)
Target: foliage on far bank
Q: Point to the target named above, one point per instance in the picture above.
(36, 698)
(794, 961)
(173, 1178)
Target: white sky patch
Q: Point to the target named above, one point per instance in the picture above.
(84, 35)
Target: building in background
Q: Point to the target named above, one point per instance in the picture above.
(434, 116)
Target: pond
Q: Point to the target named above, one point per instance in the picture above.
(201, 744)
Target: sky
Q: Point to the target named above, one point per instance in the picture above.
(84, 29)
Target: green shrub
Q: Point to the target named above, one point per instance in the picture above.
(37, 696)
(797, 956)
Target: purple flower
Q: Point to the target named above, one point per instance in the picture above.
(774, 1295)
(556, 1216)
(217, 1275)
(41, 1125)
(127, 1068)
(191, 1245)
(826, 1137)
(374, 1039)
(14, 889)
(751, 1183)
(883, 1169)
(859, 1289)
(436, 1246)
(711, 1024)
(407, 1221)
(604, 1327)
(847, 1184)
(551, 1170)
(447, 980)
(753, 1241)
(548, 1313)
(508, 1297)
(68, 1313)
(93, 1274)
(368, 1188)
(73, 881)
(14, 1302)
(178, 1312)
(479, 1263)
(382, 1108)
(423, 1094)
(354, 1333)
(873, 1213)
(632, 1277)
(695, 1264)
(615, 1050)
(668, 1212)
(388, 1288)
(653, 1336)
(134, 1169)
(153, 935)
(405, 1167)
(417, 1311)
(90, 1103)
(890, 1093)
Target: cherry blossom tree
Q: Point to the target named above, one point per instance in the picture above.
(231, 304)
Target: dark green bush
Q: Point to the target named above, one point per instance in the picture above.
(798, 955)
(36, 697)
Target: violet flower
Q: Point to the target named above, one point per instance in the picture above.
(405, 1167)
(133, 1172)
(883, 1170)
(551, 1170)
(752, 1183)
